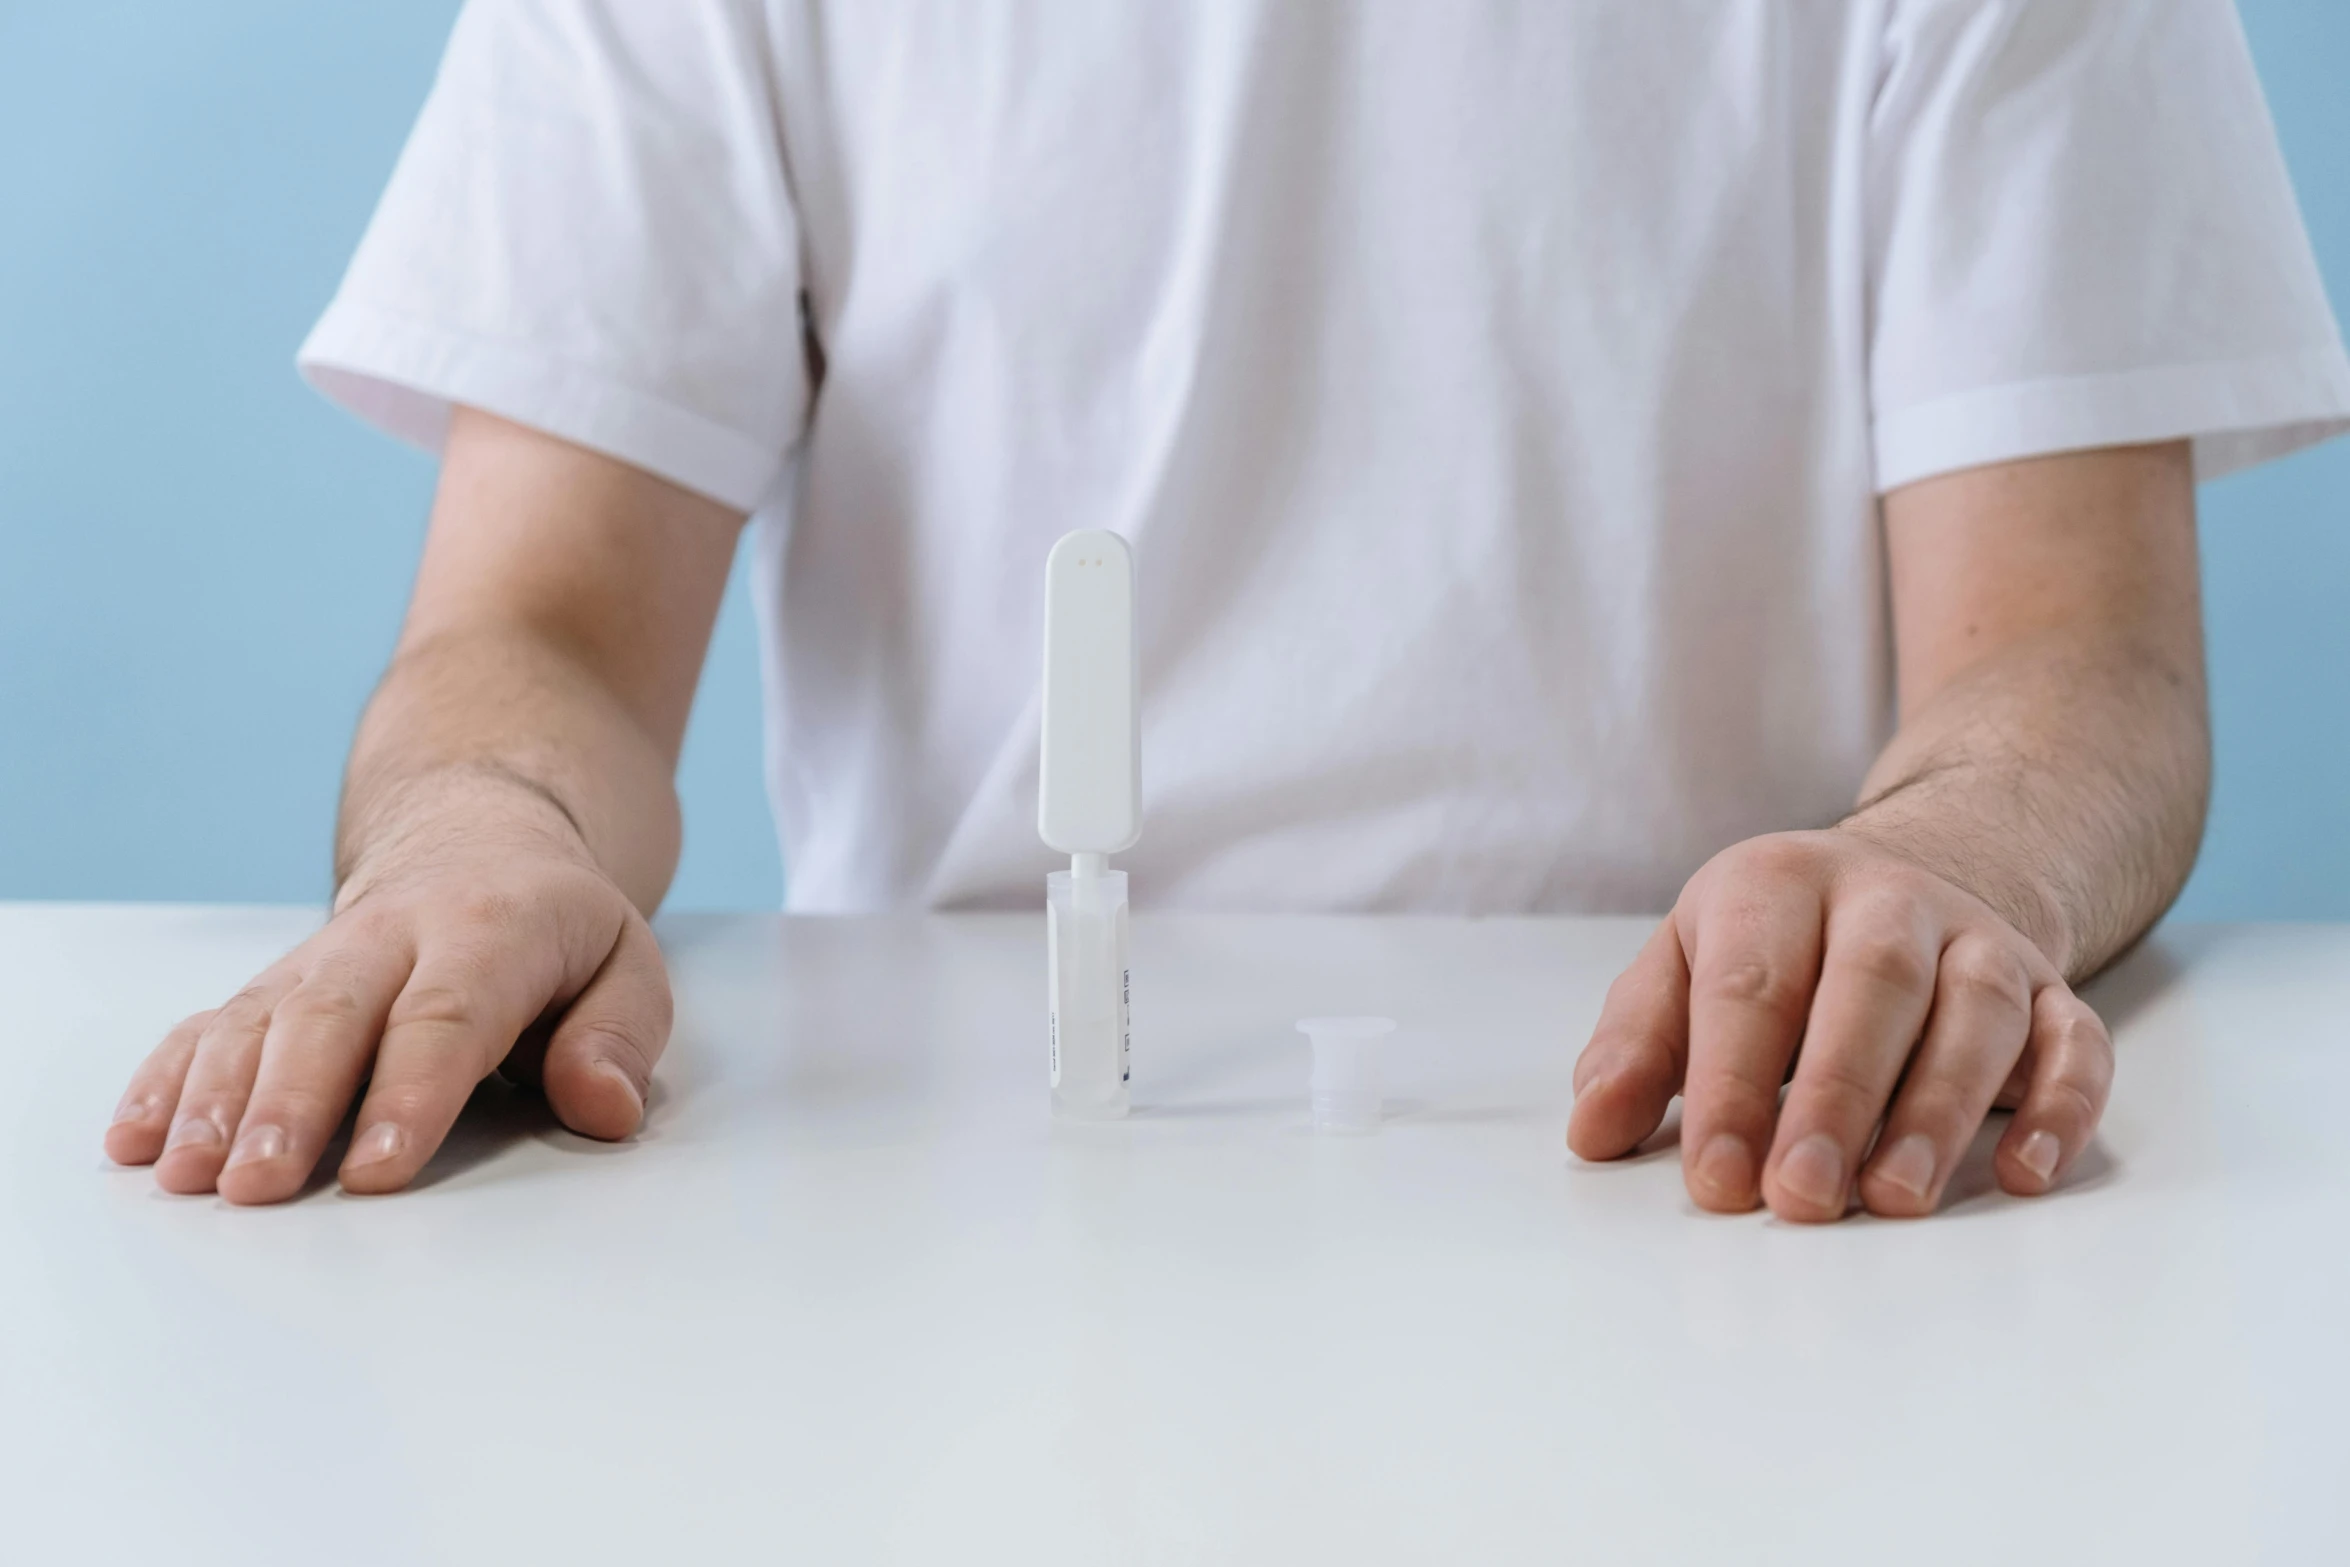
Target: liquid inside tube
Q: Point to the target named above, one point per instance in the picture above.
(1090, 1042)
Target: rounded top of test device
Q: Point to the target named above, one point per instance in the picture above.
(1089, 778)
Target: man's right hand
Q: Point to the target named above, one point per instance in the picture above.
(508, 821)
(488, 935)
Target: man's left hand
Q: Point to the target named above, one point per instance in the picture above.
(1907, 1007)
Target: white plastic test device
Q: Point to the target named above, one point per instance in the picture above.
(1089, 807)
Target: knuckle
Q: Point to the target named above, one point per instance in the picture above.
(1983, 973)
(2068, 1101)
(1887, 959)
(246, 1007)
(2077, 1046)
(408, 1102)
(1940, 1109)
(222, 1110)
(622, 1048)
(1775, 857)
(1841, 1086)
(1735, 1101)
(449, 1006)
(1617, 1045)
(1760, 983)
(2077, 1028)
(293, 1105)
(325, 1004)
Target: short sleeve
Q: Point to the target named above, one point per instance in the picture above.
(590, 231)
(2082, 234)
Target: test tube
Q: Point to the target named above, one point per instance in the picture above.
(1346, 1083)
(1087, 978)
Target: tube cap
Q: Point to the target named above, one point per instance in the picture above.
(1346, 1083)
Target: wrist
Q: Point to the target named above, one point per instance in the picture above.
(390, 826)
(2013, 892)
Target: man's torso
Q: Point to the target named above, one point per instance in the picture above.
(1483, 390)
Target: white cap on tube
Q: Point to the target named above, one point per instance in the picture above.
(1346, 1071)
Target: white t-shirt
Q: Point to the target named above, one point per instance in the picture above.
(1497, 394)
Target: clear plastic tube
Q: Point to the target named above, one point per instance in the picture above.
(1086, 924)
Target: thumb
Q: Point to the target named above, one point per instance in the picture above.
(599, 1062)
(1632, 1067)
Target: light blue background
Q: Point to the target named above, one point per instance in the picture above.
(204, 564)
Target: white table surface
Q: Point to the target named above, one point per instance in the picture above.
(854, 1297)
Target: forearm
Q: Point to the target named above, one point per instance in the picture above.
(498, 730)
(2062, 781)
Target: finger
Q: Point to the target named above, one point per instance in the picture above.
(1630, 1070)
(313, 1056)
(2019, 1078)
(220, 1076)
(599, 1062)
(2072, 1072)
(1876, 984)
(1974, 1036)
(1754, 962)
(459, 1013)
(144, 1116)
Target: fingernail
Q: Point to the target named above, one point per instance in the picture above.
(138, 1109)
(261, 1142)
(1727, 1166)
(625, 1081)
(1909, 1165)
(2039, 1153)
(193, 1131)
(378, 1143)
(1814, 1171)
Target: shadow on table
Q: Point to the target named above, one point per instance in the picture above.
(1974, 1185)
(499, 1116)
(1665, 1140)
